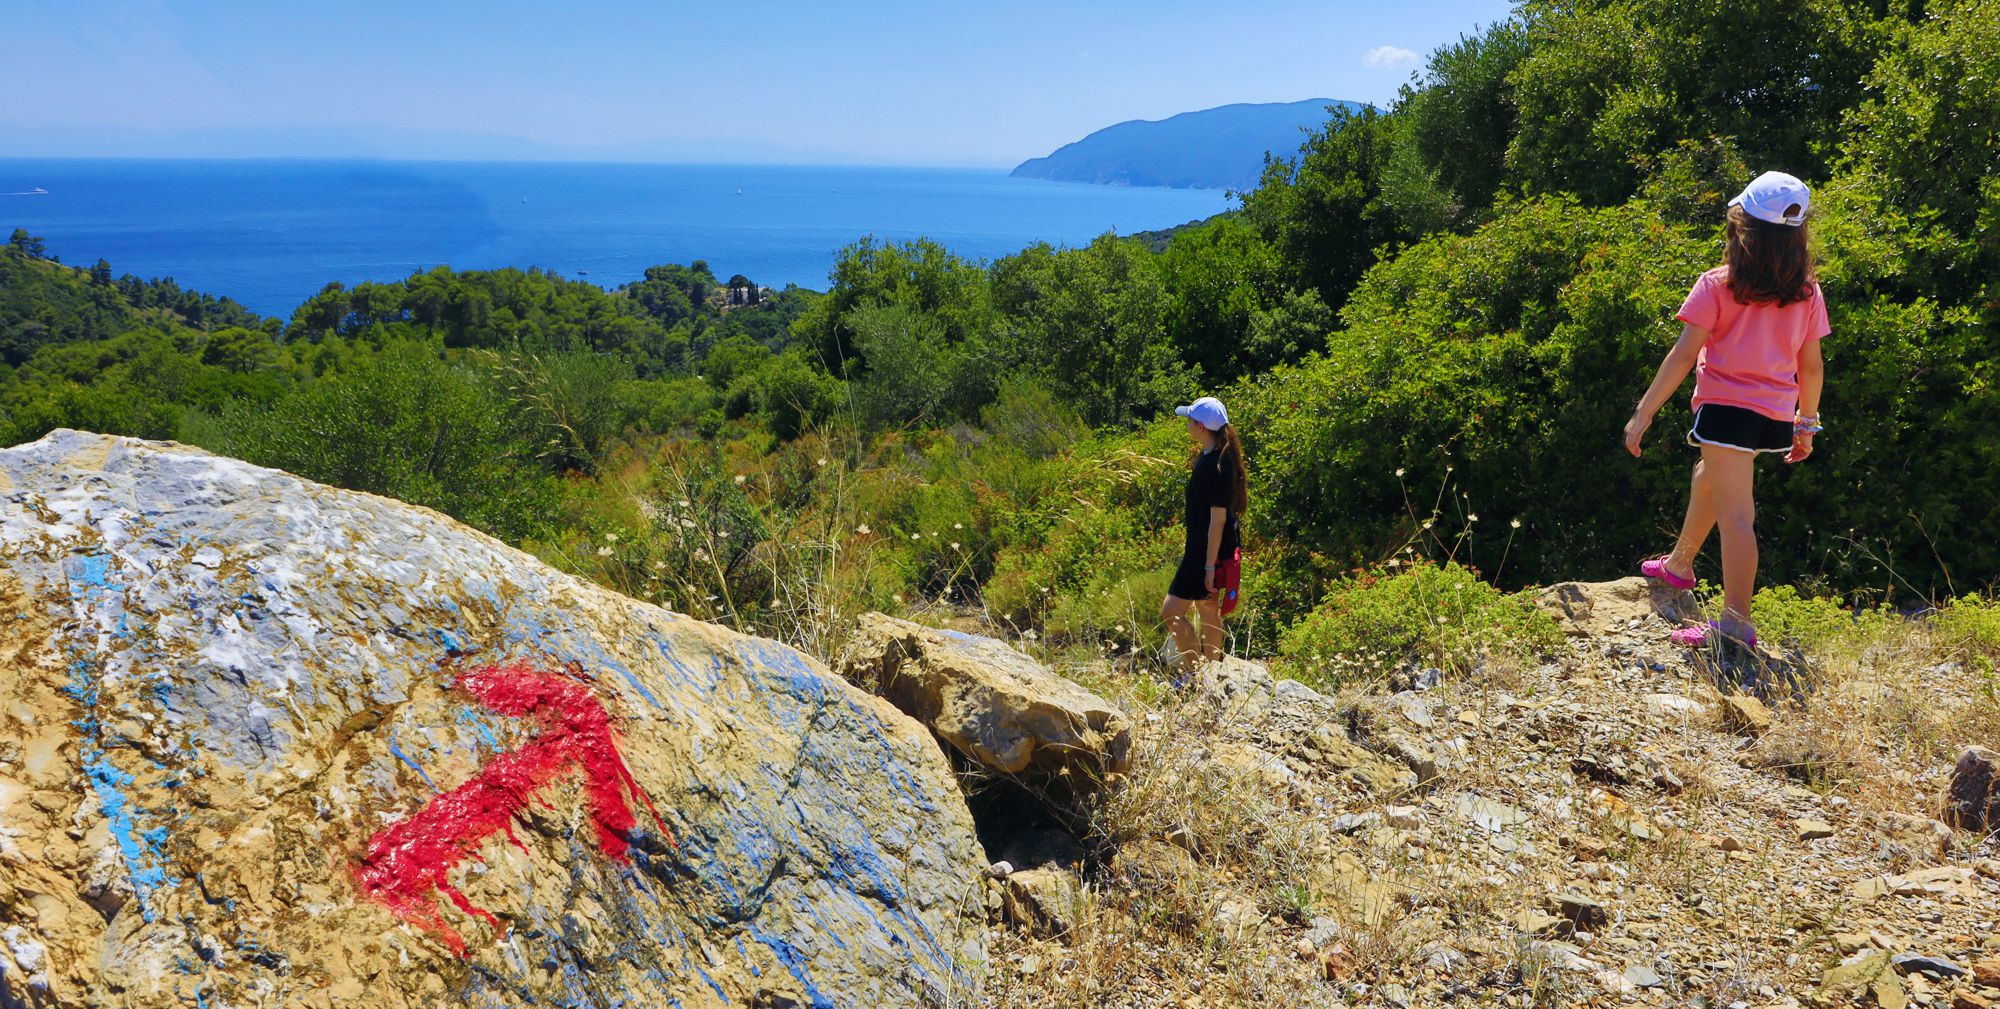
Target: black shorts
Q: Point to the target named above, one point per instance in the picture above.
(1190, 579)
(1737, 428)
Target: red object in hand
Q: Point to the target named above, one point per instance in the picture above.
(1229, 579)
(407, 863)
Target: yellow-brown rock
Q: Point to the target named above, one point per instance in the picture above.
(992, 703)
(227, 688)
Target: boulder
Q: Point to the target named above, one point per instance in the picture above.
(1595, 609)
(992, 703)
(1972, 798)
(271, 743)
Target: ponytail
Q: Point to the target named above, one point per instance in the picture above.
(1239, 480)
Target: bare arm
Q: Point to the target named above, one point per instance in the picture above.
(1812, 378)
(1673, 371)
(1217, 519)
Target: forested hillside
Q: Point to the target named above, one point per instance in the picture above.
(1430, 324)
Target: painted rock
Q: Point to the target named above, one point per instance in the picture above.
(264, 742)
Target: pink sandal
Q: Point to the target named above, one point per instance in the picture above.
(1656, 569)
(1696, 637)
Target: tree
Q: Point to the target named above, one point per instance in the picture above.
(1090, 324)
(1606, 84)
(1325, 212)
(31, 245)
(1462, 116)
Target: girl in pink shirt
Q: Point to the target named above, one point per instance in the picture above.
(1751, 333)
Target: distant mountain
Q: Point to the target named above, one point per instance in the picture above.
(1218, 148)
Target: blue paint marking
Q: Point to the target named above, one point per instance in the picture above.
(143, 852)
(449, 640)
(795, 964)
(812, 908)
(470, 718)
(89, 577)
(405, 758)
(719, 993)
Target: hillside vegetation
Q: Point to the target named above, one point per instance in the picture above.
(1430, 323)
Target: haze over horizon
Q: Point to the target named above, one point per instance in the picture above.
(890, 84)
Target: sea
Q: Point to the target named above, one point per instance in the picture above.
(271, 233)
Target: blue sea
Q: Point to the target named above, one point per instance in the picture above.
(272, 233)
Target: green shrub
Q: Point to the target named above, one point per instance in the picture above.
(1971, 623)
(1426, 614)
(1815, 623)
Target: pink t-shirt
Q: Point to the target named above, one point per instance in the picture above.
(1751, 359)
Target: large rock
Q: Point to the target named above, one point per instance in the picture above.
(992, 703)
(269, 743)
(1972, 799)
(1596, 609)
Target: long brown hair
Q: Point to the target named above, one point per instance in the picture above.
(1768, 263)
(1231, 447)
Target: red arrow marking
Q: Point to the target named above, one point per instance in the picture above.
(407, 862)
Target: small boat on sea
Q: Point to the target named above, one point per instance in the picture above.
(37, 191)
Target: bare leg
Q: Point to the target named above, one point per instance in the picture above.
(1211, 628)
(1186, 647)
(1694, 529)
(1731, 472)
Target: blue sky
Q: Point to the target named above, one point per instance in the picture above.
(820, 83)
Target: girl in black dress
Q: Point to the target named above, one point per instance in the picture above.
(1216, 493)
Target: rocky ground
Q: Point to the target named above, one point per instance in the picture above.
(1602, 828)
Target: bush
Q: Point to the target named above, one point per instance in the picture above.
(1971, 623)
(1426, 614)
(1815, 623)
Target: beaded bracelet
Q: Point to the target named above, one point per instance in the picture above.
(1807, 425)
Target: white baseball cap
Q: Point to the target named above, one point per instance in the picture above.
(1206, 411)
(1769, 195)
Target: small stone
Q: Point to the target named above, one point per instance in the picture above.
(1337, 962)
(1986, 971)
(999, 870)
(1850, 943)
(1581, 910)
(1972, 797)
(1673, 704)
(1937, 881)
(1970, 1000)
(1305, 948)
(1642, 977)
(1354, 823)
(1745, 715)
(1728, 842)
(1869, 889)
(1442, 958)
(1535, 922)
(1403, 817)
(1929, 966)
(1813, 830)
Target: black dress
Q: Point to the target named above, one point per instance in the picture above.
(1208, 487)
